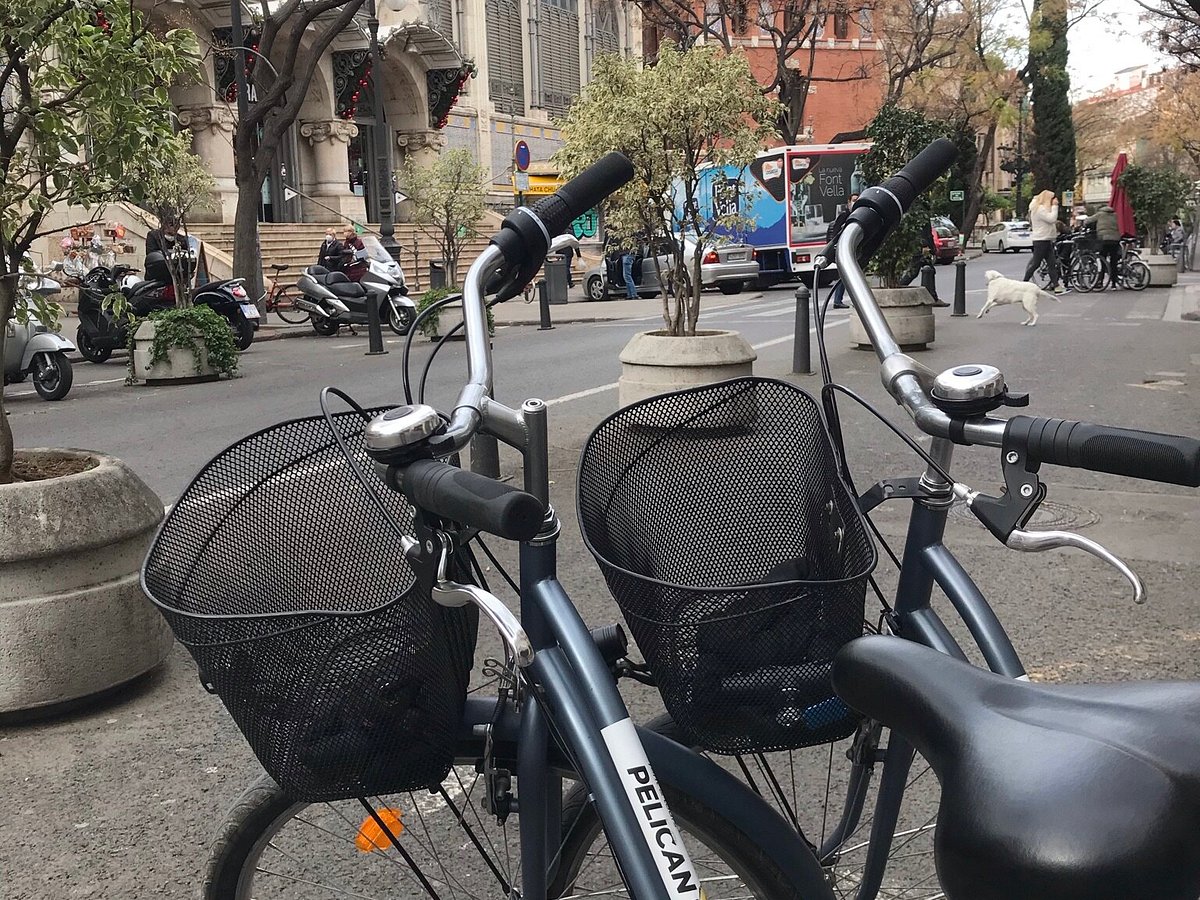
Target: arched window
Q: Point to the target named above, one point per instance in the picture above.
(506, 56)
(607, 37)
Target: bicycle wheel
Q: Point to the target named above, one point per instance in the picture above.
(1089, 273)
(447, 847)
(285, 307)
(1137, 275)
(808, 788)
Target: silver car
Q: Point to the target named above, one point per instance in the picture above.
(1005, 236)
(728, 268)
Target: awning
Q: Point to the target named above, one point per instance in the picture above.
(435, 50)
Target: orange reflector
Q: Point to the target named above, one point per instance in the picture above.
(371, 837)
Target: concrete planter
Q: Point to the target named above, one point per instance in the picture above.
(180, 366)
(73, 619)
(655, 363)
(909, 313)
(1164, 269)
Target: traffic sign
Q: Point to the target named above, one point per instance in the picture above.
(956, 196)
(1068, 198)
(521, 182)
(521, 156)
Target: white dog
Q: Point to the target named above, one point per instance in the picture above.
(1003, 290)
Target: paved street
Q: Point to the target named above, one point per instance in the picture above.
(121, 801)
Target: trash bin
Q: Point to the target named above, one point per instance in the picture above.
(556, 278)
(437, 274)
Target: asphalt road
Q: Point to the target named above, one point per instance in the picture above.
(120, 801)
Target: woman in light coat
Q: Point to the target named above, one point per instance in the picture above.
(1043, 220)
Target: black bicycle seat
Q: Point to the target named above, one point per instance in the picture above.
(278, 267)
(1087, 792)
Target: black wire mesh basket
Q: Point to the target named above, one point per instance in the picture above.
(737, 554)
(280, 570)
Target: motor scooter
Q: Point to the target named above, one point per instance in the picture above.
(100, 330)
(332, 300)
(33, 349)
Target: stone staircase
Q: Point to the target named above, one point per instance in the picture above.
(295, 245)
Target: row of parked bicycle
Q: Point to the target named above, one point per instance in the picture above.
(1083, 267)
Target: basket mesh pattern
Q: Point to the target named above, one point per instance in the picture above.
(738, 557)
(284, 578)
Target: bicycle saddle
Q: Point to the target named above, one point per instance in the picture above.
(1087, 792)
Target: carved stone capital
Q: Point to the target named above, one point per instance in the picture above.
(198, 118)
(328, 130)
(420, 139)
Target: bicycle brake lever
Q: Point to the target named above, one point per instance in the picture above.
(452, 594)
(1036, 541)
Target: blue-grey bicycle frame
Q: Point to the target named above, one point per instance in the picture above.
(924, 563)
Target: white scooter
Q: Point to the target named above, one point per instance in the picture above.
(333, 300)
(33, 349)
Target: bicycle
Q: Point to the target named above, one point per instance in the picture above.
(1079, 267)
(571, 671)
(281, 300)
(351, 678)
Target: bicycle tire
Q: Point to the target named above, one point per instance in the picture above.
(287, 310)
(1089, 273)
(255, 829)
(910, 871)
(1137, 276)
(581, 828)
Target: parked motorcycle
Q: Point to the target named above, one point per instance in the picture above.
(332, 300)
(100, 330)
(33, 349)
(229, 299)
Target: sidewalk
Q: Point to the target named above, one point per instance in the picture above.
(517, 312)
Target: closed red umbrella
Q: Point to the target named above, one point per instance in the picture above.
(1119, 201)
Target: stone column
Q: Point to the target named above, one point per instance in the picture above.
(212, 140)
(326, 172)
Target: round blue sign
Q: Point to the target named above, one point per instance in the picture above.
(521, 156)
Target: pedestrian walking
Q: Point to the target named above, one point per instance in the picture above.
(330, 253)
(568, 256)
(1109, 235)
(1043, 220)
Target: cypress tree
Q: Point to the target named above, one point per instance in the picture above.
(1053, 143)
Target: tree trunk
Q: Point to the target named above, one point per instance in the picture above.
(975, 188)
(247, 256)
(8, 298)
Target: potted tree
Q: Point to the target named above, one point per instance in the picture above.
(898, 135)
(188, 343)
(446, 201)
(74, 524)
(691, 110)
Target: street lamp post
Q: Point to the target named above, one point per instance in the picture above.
(385, 195)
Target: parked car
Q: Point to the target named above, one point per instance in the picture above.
(1005, 236)
(728, 268)
(947, 241)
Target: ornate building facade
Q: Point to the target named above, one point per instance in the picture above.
(476, 74)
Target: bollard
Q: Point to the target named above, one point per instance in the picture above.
(544, 305)
(801, 349)
(374, 334)
(960, 288)
(929, 281)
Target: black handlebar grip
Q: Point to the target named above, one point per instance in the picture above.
(922, 171)
(1168, 458)
(584, 191)
(473, 500)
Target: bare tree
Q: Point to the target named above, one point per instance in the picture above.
(294, 35)
(789, 28)
(1176, 25)
(919, 35)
